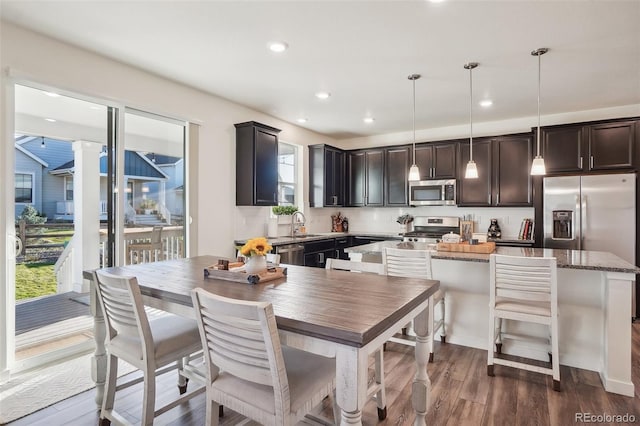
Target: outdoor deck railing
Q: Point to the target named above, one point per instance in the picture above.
(63, 268)
(172, 244)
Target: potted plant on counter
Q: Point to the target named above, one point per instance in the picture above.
(283, 213)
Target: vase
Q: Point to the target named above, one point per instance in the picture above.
(256, 264)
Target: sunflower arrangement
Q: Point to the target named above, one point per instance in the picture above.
(256, 246)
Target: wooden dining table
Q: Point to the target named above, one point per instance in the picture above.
(334, 313)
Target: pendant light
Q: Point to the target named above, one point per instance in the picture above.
(414, 172)
(537, 167)
(42, 144)
(472, 171)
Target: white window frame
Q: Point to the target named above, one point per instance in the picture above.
(66, 179)
(296, 164)
(33, 188)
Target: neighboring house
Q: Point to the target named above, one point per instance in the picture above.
(45, 172)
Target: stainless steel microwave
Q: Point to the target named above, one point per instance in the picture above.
(432, 192)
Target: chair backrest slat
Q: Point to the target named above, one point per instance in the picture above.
(241, 338)
(121, 302)
(523, 278)
(407, 263)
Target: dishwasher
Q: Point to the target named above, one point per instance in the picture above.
(292, 254)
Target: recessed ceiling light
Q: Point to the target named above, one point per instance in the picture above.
(94, 107)
(52, 94)
(323, 95)
(436, 1)
(368, 120)
(278, 46)
(301, 120)
(486, 103)
(50, 120)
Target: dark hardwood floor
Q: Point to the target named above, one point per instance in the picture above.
(462, 394)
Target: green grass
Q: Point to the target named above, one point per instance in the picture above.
(34, 280)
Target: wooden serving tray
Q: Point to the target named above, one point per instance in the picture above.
(241, 276)
(465, 247)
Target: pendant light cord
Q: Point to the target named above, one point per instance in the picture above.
(470, 115)
(414, 121)
(538, 144)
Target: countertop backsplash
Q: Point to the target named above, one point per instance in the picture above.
(384, 219)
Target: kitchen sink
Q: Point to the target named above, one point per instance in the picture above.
(306, 236)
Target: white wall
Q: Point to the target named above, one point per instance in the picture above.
(71, 70)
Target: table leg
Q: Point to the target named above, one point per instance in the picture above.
(351, 384)
(420, 396)
(99, 359)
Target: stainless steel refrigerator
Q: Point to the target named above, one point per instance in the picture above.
(594, 212)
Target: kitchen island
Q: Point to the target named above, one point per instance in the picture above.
(594, 304)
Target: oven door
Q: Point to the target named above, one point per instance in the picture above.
(426, 193)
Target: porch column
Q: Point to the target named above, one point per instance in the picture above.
(86, 211)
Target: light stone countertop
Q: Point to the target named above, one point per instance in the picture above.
(573, 259)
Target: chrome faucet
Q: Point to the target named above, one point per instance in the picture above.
(295, 221)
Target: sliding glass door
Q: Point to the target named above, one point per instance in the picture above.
(94, 185)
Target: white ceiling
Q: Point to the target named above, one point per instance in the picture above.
(362, 52)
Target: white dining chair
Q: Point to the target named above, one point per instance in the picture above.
(377, 388)
(146, 344)
(523, 289)
(249, 371)
(416, 264)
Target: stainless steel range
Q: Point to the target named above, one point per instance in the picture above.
(430, 229)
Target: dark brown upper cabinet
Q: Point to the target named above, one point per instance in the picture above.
(365, 172)
(436, 160)
(591, 147)
(396, 175)
(326, 176)
(610, 145)
(475, 192)
(512, 184)
(256, 164)
(503, 179)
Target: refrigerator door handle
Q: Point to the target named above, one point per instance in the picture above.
(583, 220)
(577, 223)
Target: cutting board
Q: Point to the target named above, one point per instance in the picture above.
(465, 247)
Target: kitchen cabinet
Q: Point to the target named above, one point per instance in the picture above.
(326, 176)
(365, 171)
(475, 192)
(397, 161)
(436, 160)
(512, 157)
(589, 147)
(256, 164)
(503, 179)
(316, 253)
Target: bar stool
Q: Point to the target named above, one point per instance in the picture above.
(523, 289)
(416, 264)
